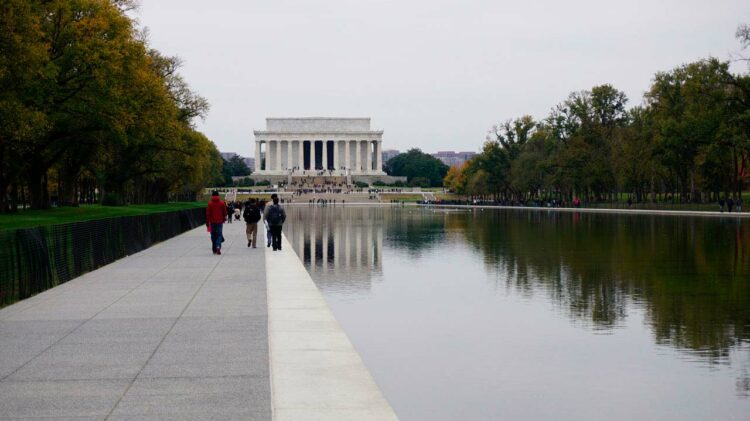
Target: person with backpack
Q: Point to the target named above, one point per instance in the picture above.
(275, 217)
(216, 214)
(251, 215)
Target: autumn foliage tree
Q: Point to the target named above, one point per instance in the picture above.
(86, 106)
(689, 141)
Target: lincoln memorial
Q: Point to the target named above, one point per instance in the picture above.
(319, 147)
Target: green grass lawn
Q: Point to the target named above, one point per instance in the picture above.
(401, 197)
(64, 215)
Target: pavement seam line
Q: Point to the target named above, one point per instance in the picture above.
(177, 319)
(92, 317)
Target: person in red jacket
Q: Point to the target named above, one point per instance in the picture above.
(216, 214)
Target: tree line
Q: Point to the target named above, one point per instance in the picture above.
(688, 142)
(419, 168)
(90, 112)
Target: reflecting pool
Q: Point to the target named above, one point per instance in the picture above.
(517, 314)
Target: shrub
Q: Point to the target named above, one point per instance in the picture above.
(419, 182)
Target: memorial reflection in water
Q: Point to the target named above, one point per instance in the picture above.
(526, 302)
(340, 254)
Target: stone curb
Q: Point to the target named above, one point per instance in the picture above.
(316, 374)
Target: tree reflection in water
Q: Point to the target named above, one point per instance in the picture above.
(691, 275)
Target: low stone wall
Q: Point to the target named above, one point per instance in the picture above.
(35, 259)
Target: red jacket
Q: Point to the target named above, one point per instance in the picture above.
(216, 212)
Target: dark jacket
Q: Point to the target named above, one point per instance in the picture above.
(268, 212)
(216, 212)
(251, 214)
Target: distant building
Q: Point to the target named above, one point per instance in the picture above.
(451, 158)
(228, 155)
(388, 154)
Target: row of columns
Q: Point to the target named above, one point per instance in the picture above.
(345, 246)
(274, 149)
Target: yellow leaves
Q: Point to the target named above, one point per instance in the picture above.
(455, 179)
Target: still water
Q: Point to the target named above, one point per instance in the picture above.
(492, 314)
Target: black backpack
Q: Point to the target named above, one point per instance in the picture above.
(251, 214)
(274, 215)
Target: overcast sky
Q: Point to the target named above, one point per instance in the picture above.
(434, 74)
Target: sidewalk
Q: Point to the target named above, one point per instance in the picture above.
(171, 332)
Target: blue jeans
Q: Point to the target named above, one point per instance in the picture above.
(216, 235)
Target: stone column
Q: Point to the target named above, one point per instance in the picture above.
(378, 155)
(313, 155)
(336, 155)
(301, 153)
(269, 155)
(257, 156)
(368, 157)
(289, 153)
(324, 151)
(277, 155)
(347, 155)
(358, 156)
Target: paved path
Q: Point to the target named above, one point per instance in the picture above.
(172, 332)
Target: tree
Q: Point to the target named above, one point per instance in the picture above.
(417, 164)
(691, 113)
(24, 63)
(234, 167)
(85, 102)
(454, 178)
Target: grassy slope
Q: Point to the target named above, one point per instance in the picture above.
(34, 218)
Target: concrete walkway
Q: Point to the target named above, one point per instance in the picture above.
(172, 332)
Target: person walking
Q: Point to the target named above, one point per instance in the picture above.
(251, 216)
(230, 211)
(238, 208)
(262, 205)
(275, 217)
(216, 214)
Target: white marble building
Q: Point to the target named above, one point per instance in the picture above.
(309, 146)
